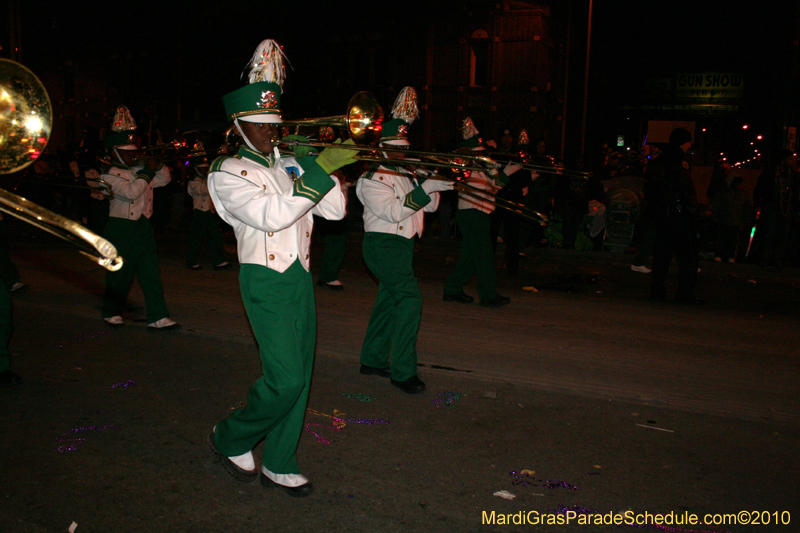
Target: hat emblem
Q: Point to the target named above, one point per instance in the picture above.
(402, 130)
(269, 100)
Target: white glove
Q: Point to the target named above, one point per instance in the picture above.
(435, 185)
(511, 168)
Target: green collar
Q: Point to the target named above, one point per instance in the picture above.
(252, 155)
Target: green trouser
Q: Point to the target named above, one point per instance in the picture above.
(135, 242)
(5, 327)
(9, 275)
(332, 256)
(98, 215)
(204, 223)
(280, 307)
(391, 339)
(476, 256)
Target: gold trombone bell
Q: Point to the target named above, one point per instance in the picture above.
(363, 120)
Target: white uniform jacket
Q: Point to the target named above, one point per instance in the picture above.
(271, 214)
(133, 197)
(479, 180)
(393, 201)
(198, 190)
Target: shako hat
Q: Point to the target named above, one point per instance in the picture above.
(523, 139)
(260, 100)
(123, 131)
(404, 112)
(471, 136)
(198, 157)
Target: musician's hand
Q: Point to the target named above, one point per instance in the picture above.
(153, 163)
(335, 158)
(299, 151)
(436, 185)
(511, 168)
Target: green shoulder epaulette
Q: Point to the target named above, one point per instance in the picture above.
(373, 168)
(215, 166)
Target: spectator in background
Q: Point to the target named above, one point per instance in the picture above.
(673, 208)
(719, 180)
(776, 196)
(730, 212)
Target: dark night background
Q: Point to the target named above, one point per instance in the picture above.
(171, 62)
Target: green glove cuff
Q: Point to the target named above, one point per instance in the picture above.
(314, 183)
(502, 179)
(416, 199)
(146, 174)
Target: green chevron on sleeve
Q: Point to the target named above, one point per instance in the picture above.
(313, 184)
(146, 174)
(416, 199)
(502, 179)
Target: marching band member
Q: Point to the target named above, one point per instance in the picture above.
(333, 232)
(394, 206)
(129, 229)
(477, 253)
(270, 200)
(204, 217)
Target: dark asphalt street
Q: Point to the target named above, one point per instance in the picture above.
(611, 403)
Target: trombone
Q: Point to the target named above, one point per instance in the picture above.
(25, 128)
(363, 121)
(102, 185)
(544, 169)
(498, 201)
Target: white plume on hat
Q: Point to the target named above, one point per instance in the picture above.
(267, 63)
(405, 105)
(468, 129)
(123, 121)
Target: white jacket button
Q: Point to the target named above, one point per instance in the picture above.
(271, 257)
(270, 234)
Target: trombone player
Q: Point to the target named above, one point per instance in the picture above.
(128, 228)
(394, 206)
(270, 201)
(477, 253)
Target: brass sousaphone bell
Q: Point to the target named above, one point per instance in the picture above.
(26, 119)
